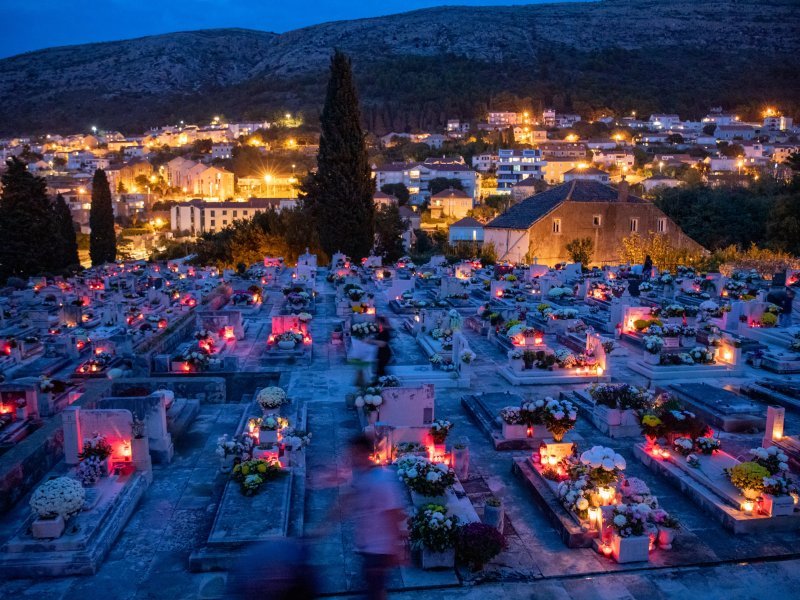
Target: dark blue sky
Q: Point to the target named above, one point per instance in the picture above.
(36, 24)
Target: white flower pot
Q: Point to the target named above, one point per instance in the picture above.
(494, 516)
(609, 416)
(628, 418)
(267, 436)
(286, 345)
(665, 538)
(438, 560)
(461, 462)
(630, 549)
(48, 528)
(419, 500)
(777, 506)
(226, 463)
(651, 359)
(514, 432)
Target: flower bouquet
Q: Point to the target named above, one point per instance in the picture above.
(708, 445)
(603, 465)
(512, 415)
(270, 398)
(424, 477)
(748, 477)
(773, 459)
(60, 497)
(440, 428)
(252, 474)
(432, 528)
(559, 417)
(683, 446)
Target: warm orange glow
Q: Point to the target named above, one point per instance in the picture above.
(229, 333)
(747, 507)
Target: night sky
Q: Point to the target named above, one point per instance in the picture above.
(27, 26)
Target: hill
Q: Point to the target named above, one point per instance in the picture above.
(417, 69)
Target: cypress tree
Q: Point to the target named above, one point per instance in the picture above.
(102, 241)
(26, 223)
(68, 254)
(339, 195)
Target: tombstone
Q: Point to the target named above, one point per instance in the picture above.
(572, 271)
(307, 259)
(39, 319)
(774, 429)
(152, 410)
(407, 407)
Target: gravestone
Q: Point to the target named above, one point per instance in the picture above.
(774, 428)
(116, 425)
(152, 410)
(407, 407)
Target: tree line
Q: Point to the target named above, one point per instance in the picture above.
(38, 232)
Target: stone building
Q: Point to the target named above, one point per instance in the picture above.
(541, 226)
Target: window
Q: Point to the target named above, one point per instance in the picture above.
(635, 225)
(224, 221)
(213, 223)
(597, 221)
(224, 212)
(556, 225)
(662, 225)
(213, 213)
(234, 214)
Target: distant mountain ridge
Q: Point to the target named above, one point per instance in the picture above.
(418, 68)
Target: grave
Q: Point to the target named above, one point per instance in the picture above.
(721, 408)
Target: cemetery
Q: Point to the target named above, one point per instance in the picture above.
(539, 422)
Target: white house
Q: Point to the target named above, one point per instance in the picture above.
(466, 230)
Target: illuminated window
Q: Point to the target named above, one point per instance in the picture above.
(662, 225)
(597, 221)
(634, 225)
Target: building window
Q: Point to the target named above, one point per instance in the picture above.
(635, 225)
(224, 221)
(662, 225)
(597, 221)
(213, 223)
(234, 214)
(224, 212)
(556, 225)
(213, 213)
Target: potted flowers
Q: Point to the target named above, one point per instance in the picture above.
(776, 496)
(667, 527)
(287, 340)
(629, 543)
(268, 428)
(439, 430)
(773, 459)
(652, 348)
(53, 503)
(252, 474)
(749, 478)
(99, 448)
(559, 417)
(493, 512)
(433, 531)
(226, 450)
(708, 445)
(514, 427)
(428, 482)
(271, 398)
(477, 544)
(652, 428)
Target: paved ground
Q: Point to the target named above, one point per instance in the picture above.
(150, 559)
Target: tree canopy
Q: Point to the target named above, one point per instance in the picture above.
(103, 240)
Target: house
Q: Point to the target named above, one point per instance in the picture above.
(502, 119)
(562, 149)
(586, 173)
(777, 123)
(556, 167)
(662, 121)
(516, 165)
(413, 218)
(541, 226)
(525, 188)
(735, 132)
(212, 182)
(383, 199)
(781, 152)
(659, 181)
(485, 162)
(466, 230)
(417, 176)
(550, 118)
(614, 158)
(127, 174)
(523, 134)
(200, 216)
(450, 204)
(221, 151)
